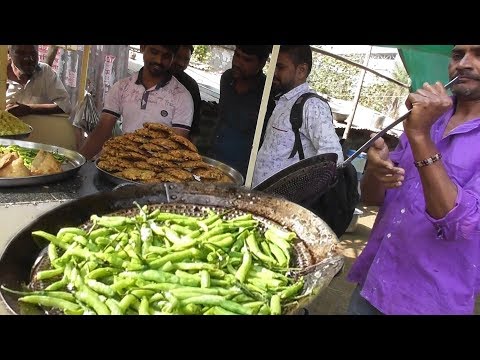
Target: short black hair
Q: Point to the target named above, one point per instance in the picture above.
(300, 54)
(189, 47)
(261, 51)
(172, 48)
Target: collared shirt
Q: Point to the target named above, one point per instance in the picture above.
(413, 263)
(317, 134)
(44, 87)
(238, 119)
(168, 103)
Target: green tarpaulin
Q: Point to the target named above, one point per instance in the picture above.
(425, 63)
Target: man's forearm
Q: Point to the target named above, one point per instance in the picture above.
(45, 109)
(439, 190)
(372, 190)
(95, 141)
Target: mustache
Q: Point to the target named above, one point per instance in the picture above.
(467, 75)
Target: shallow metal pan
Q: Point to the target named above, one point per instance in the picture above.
(315, 252)
(18, 136)
(70, 167)
(236, 176)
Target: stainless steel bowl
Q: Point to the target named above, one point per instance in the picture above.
(18, 136)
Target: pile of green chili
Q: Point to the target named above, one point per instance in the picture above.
(164, 263)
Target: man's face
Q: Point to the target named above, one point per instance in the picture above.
(25, 58)
(181, 60)
(465, 62)
(285, 75)
(245, 66)
(157, 59)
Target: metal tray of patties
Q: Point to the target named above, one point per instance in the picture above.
(72, 164)
(234, 175)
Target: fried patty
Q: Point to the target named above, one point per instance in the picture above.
(184, 142)
(184, 155)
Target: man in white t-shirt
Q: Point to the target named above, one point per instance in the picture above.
(149, 95)
(33, 87)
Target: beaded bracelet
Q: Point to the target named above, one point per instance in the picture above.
(428, 161)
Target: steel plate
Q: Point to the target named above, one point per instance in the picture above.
(231, 172)
(18, 136)
(70, 167)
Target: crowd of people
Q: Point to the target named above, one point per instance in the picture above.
(423, 254)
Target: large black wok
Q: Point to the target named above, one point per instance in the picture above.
(315, 253)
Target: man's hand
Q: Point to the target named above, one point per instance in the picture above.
(427, 104)
(18, 109)
(381, 167)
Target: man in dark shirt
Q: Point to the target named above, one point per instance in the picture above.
(241, 90)
(180, 63)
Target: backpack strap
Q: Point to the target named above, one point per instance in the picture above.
(296, 119)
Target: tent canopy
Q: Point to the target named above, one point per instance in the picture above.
(425, 63)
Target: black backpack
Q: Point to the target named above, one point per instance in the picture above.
(337, 205)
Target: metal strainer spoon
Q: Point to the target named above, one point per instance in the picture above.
(384, 131)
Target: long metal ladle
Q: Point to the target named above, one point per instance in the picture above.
(384, 131)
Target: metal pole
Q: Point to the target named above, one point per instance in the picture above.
(353, 63)
(357, 96)
(83, 74)
(3, 76)
(261, 115)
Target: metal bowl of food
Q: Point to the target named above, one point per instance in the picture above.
(11, 127)
(17, 136)
(314, 256)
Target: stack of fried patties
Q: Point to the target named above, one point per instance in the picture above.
(155, 153)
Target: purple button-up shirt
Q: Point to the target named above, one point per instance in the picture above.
(413, 263)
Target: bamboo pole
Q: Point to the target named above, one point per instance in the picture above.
(261, 115)
(83, 74)
(356, 99)
(341, 58)
(3, 76)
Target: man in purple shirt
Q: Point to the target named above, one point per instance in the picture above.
(423, 255)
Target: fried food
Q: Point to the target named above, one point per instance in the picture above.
(151, 133)
(7, 158)
(193, 164)
(158, 127)
(181, 174)
(143, 165)
(127, 155)
(44, 163)
(152, 148)
(163, 156)
(161, 163)
(184, 155)
(136, 138)
(115, 164)
(210, 173)
(11, 165)
(137, 174)
(166, 143)
(163, 177)
(128, 146)
(184, 142)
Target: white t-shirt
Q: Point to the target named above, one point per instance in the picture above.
(317, 134)
(44, 87)
(170, 103)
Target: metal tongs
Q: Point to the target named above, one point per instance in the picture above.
(384, 131)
